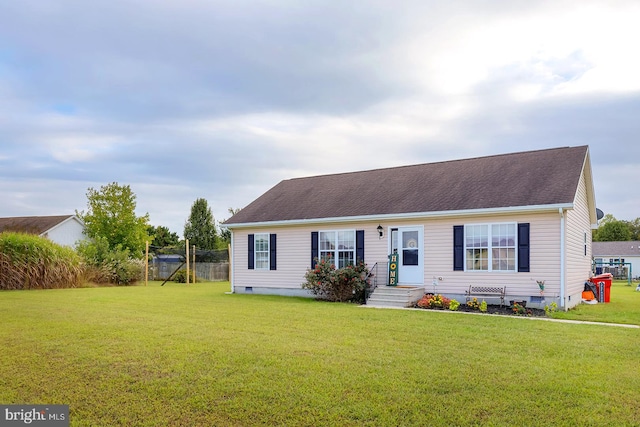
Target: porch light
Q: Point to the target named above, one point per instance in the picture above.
(380, 230)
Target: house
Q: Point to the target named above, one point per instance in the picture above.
(622, 259)
(506, 220)
(64, 230)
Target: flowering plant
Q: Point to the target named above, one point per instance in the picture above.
(343, 284)
(434, 301)
(473, 303)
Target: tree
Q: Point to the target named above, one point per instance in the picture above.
(111, 216)
(634, 226)
(162, 236)
(200, 228)
(612, 230)
(225, 234)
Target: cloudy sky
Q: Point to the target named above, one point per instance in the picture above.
(223, 99)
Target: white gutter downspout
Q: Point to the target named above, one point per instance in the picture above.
(563, 258)
(232, 266)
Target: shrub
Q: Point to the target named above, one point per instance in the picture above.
(454, 305)
(181, 276)
(344, 284)
(551, 308)
(104, 265)
(32, 262)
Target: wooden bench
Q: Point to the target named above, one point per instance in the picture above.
(486, 291)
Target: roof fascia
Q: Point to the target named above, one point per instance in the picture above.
(412, 215)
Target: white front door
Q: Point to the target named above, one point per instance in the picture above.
(408, 242)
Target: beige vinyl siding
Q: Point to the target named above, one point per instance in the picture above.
(544, 257)
(578, 265)
(294, 254)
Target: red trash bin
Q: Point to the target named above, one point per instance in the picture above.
(603, 280)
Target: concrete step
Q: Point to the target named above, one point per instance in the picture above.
(389, 296)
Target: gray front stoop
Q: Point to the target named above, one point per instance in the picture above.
(395, 296)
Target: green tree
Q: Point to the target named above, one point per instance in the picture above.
(634, 226)
(111, 216)
(225, 234)
(162, 236)
(200, 228)
(612, 230)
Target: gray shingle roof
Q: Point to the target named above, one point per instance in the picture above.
(31, 224)
(542, 177)
(630, 248)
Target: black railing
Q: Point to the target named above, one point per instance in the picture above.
(377, 276)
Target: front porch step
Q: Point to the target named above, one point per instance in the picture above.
(395, 296)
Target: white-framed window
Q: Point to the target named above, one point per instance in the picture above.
(338, 246)
(261, 245)
(491, 247)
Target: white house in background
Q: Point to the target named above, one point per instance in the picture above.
(507, 220)
(610, 255)
(64, 230)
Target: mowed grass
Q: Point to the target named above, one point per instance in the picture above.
(624, 307)
(193, 356)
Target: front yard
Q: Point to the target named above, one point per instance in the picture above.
(191, 355)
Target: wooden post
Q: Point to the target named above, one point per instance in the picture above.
(193, 265)
(146, 264)
(186, 248)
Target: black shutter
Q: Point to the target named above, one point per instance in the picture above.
(272, 252)
(359, 246)
(314, 248)
(523, 248)
(458, 248)
(251, 252)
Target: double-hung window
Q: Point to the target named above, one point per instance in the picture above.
(338, 247)
(262, 251)
(491, 247)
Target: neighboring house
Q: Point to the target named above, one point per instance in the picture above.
(64, 230)
(618, 258)
(506, 220)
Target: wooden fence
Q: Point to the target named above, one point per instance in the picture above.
(208, 271)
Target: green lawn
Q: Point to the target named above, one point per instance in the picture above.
(193, 356)
(624, 307)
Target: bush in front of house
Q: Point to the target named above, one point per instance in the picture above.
(340, 285)
(112, 266)
(31, 262)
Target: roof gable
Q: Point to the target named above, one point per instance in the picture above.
(533, 178)
(32, 224)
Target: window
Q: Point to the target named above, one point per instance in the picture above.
(262, 251)
(338, 245)
(490, 247)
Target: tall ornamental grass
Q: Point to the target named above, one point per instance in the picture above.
(32, 262)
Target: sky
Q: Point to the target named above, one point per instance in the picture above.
(222, 100)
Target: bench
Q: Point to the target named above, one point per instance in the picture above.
(486, 291)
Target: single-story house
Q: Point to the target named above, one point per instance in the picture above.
(618, 258)
(506, 220)
(64, 230)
